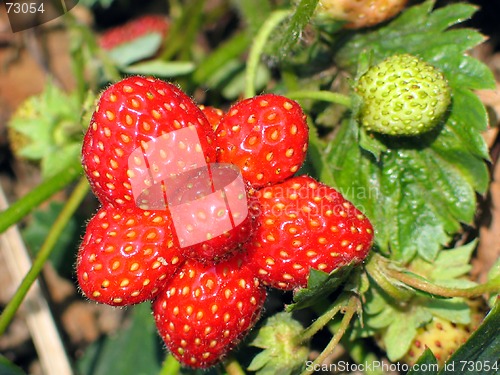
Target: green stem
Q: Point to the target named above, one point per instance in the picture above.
(419, 283)
(46, 189)
(53, 236)
(363, 354)
(225, 52)
(397, 291)
(171, 366)
(350, 310)
(326, 96)
(319, 323)
(492, 286)
(233, 367)
(258, 47)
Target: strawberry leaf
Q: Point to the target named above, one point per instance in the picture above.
(319, 286)
(427, 364)
(419, 190)
(136, 50)
(8, 368)
(117, 354)
(62, 255)
(161, 68)
(399, 335)
(48, 129)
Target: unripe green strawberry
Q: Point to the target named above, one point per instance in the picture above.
(443, 337)
(403, 96)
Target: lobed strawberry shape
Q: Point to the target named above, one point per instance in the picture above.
(126, 255)
(266, 136)
(206, 309)
(154, 184)
(132, 114)
(305, 224)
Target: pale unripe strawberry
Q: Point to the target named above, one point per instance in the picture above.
(403, 96)
(443, 337)
(360, 13)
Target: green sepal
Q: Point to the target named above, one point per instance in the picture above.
(319, 285)
(282, 353)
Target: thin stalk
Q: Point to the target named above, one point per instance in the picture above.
(397, 291)
(326, 96)
(171, 366)
(54, 234)
(42, 192)
(350, 310)
(258, 47)
(492, 286)
(233, 367)
(319, 323)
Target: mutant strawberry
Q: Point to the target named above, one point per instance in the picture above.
(265, 136)
(214, 115)
(403, 96)
(205, 310)
(133, 144)
(211, 213)
(126, 255)
(305, 224)
(360, 13)
(132, 30)
(443, 337)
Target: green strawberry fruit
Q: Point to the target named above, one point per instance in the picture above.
(443, 337)
(403, 96)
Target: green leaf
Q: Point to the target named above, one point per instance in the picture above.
(426, 365)
(57, 160)
(454, 310)
(139, 49)
(492, 274)
(449, 264)
(49, 127)
(227, 51)
(319, 285)
(161, 68)
(34, 234)
(254, 13)
(422, 189)
(134, 350)
(8, 368)
(400, 333)
(316, 155)
(481, 349)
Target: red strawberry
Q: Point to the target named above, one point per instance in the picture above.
(214, 115)
(305, 224)
(124, 148)
(205, 310)
(266, 136)
(211, 213)
(133, 29)
(126, 255)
